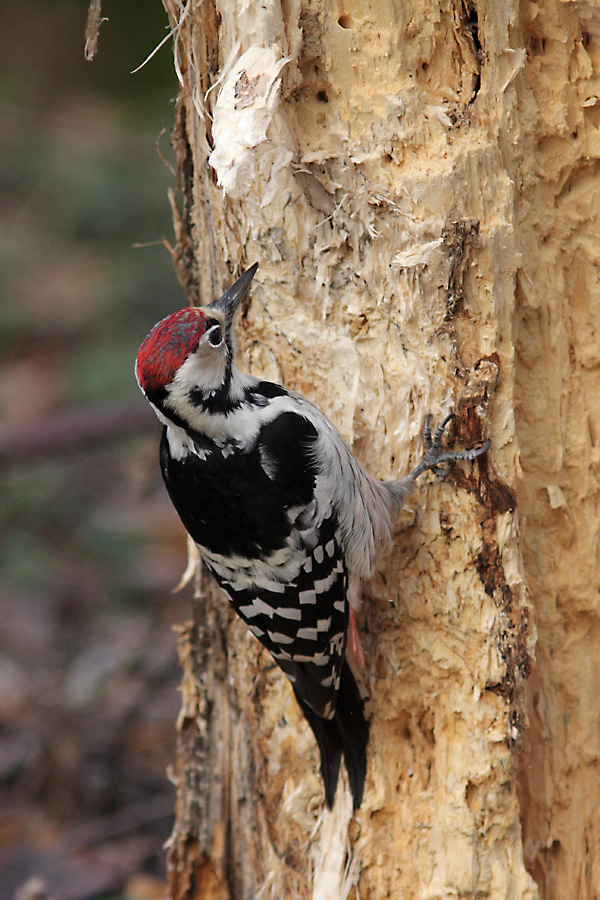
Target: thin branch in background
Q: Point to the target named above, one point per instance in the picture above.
(133, 818)
(74, 429)
(172, 32)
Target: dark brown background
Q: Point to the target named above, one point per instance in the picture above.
(89, 546)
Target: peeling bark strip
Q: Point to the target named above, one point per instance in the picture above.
(184, 256)
(92, 28)
(458, 240)
(397, 172)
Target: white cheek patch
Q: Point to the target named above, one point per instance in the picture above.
(203, 370)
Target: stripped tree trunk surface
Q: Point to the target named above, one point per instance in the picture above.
(417, 182)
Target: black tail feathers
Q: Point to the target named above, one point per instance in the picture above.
(345, 735)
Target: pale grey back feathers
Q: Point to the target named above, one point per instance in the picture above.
(366, 508)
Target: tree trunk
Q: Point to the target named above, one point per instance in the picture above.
(416, 181)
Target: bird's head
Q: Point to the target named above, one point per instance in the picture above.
(188, 356)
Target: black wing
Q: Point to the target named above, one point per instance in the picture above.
(303, 623)
(234, 501)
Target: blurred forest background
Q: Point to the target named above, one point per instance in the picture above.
(90, 548)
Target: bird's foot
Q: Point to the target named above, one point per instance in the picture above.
(434, 458)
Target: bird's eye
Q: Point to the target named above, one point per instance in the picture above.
(215, 336)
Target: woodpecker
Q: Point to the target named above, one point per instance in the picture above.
(284, 516)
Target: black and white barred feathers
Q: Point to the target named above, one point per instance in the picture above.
(283, 515)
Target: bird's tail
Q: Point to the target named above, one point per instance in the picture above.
(345, 735)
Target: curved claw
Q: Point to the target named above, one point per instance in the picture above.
(427, 431)
(439, 432)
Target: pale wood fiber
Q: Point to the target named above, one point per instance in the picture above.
(423, 207)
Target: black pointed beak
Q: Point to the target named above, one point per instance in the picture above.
(234, 295)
